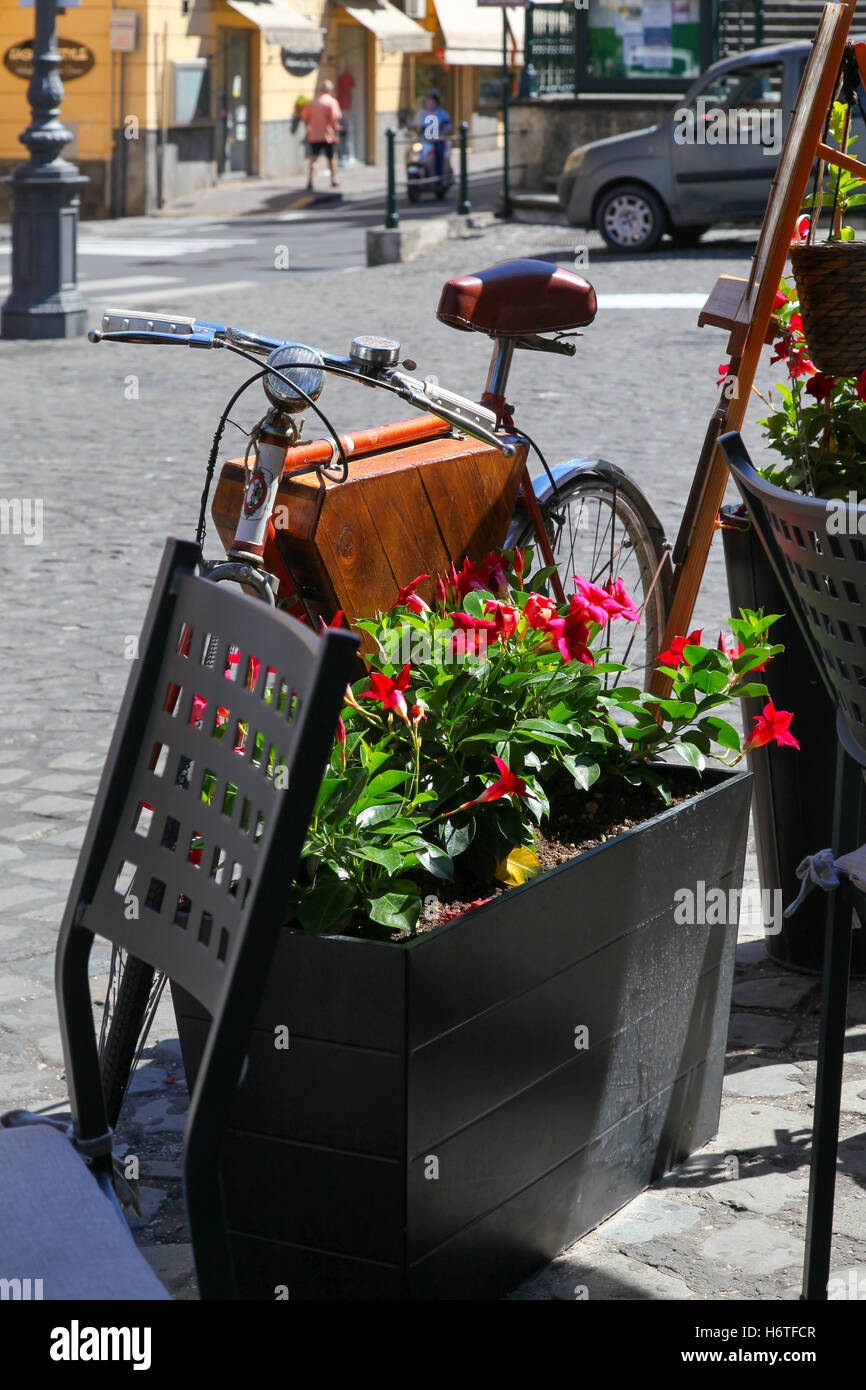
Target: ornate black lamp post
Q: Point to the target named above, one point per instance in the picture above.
(44, 302)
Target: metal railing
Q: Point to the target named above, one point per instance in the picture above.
(738, 25)
(551, 47)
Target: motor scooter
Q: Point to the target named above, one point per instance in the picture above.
(421, 168)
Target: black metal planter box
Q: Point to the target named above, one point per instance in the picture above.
(450, 1113)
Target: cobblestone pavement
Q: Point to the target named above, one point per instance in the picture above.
(114, 441)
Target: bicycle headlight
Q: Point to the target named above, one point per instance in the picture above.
(302, 365)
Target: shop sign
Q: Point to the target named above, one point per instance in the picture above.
(299, 64)
(76, 59)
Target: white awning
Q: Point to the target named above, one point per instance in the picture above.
(473, 33)
(394, 30)
(281, 25)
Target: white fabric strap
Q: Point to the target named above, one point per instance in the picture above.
(823, 871)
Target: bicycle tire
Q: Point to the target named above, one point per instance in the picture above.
(124, 1032)
(611, 530)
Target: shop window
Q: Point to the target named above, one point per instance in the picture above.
(191, 92)
(644, 38)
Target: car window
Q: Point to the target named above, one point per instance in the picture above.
(744, 87)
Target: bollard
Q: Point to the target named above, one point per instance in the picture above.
(464, 207)
(392, 216)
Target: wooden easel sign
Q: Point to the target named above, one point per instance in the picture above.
(745, 307)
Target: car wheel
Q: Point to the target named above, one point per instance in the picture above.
(631, 218)
(688, 236)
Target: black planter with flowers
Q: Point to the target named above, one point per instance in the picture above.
(450, 1081)
(436, 1118)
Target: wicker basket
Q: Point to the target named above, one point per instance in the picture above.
(831, 284)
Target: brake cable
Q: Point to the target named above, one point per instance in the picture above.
(201, 528)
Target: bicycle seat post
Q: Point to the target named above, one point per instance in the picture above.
(497, 377)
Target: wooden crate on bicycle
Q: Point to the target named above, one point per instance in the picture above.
(416, 500)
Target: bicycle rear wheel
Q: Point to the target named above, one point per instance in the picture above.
(601, 526)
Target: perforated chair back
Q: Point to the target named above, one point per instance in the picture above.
(821, 567)
(194, 840)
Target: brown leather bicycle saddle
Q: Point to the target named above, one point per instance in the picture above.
(517, 298)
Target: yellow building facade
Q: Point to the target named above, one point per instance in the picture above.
(166, 97)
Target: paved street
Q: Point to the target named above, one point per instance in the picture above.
(113, 440)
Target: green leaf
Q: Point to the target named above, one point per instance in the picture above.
(722, 732)
(398, 907)
(374, 815)
(457, 838)
(584, 771)
(752, 689)
(322, 907)
(434, 859)
(690, 754)
(474, 603)
(387, 781)
(390, 859)
(677, 709)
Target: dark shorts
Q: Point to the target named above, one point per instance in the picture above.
(324, 147)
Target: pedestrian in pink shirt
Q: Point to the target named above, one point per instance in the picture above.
(322, 118)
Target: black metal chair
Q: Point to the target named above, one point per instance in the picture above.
(210, 921)
(822, 573)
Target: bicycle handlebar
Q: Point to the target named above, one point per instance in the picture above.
(138, 326)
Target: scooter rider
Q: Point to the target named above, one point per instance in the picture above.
(434, 123)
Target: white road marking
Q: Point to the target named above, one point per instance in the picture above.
(663, 300)
(127, 282)
(152, 247)
(223, 287)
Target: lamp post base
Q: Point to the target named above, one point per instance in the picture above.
(45, 301)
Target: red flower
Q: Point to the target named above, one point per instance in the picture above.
(518, 564)
(407, 598)
(466, 623)
(771, 724)
(674, 654)
(469, 642)
(860, 386)
(619, 605)
(341, 739)
(417, 714)
(336, 621)
(780, 301)
(505, 619)
(389, 692)
(781, 351)
(590, 602)
(820, 386)
(460, 584)
(570, 636)
(507, 784)
(723, 372)
(801, 231)
(491, 572)
(441, 596)
(539, 611)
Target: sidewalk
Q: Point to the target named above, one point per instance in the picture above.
(359, 184)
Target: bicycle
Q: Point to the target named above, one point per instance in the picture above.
(586, 515)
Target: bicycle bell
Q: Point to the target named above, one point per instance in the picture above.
(372, 353)
(303, 365)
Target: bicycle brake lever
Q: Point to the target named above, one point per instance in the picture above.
(466, 415)
(196, 340)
